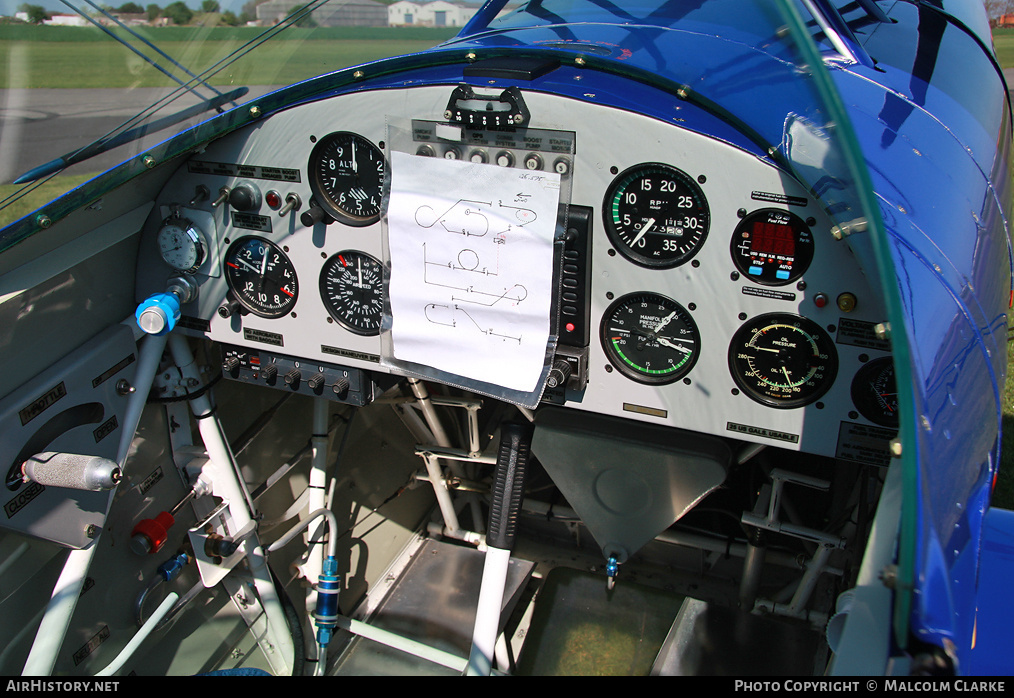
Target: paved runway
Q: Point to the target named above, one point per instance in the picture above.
(37, 126)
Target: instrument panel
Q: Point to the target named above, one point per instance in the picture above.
(715, 298)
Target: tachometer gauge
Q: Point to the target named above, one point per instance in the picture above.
(783, 360)
(352, 289)
(772, 247)
(650, 338)
(181, 244)
(261, 277)
(347, 178)
(656, 215)
(874, 392)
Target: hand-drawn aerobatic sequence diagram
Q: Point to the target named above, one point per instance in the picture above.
(471, 267)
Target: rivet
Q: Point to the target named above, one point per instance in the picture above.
(359, 75)
(579, 60)
(255, 111)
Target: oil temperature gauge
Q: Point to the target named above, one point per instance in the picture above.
(783, 360)
(650, 338)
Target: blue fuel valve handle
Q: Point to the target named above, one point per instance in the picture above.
(158, 313)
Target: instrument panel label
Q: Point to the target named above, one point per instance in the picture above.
(86, 649)
(263, 336)
(349, 354)
(42, 403)
(96, 382)
(276, 174)
(761, 431)
(777, 198)
(23, 498)
(761, 292)
(862, 443)
(251, 221)
(860, 334)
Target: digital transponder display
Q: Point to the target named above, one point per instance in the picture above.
(772, 247)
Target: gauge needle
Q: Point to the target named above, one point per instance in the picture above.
(359, 268)
(644, 229)
(666, 343)
(786, 373)
(355, 163)
(665, 321)
(775, 351)
(246, 264)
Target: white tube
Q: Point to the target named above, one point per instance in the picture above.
(229, 486)
(416, 649)
(436, 477)
(317, 485)
(67, 591)
(140, 636)
(487, 613)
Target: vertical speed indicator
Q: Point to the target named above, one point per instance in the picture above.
(656, 215)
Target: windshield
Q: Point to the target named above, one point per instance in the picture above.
(85, 86)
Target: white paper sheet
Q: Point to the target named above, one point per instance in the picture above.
(471, 250)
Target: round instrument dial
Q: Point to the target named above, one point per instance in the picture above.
(650, 338)
(181, 244)
(783, 360)
(874, 392)
(352, 289)
(347, 178)
(261, 277)
(656, 216)
(772, 247)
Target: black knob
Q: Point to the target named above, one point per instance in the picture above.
(292, 378)
(230, 309)
(230, 364)
(245, 197)
(270, 373)
(314, 215)
(559, 374)
(341, 387)
(316, 383)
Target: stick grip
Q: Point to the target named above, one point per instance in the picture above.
(509, 484)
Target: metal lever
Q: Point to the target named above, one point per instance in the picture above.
(508, 494)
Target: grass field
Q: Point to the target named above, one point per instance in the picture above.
(61, 57)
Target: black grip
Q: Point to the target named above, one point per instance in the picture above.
(509, 484)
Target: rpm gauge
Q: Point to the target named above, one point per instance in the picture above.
(261, 277)
(347, 178)
(352, 289)
(650, 338)
(656, 216)
(783, 360)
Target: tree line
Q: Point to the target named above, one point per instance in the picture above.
(177, 12)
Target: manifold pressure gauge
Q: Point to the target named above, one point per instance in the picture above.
(181, 244)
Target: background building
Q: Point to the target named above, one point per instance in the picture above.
(357, 13)
(438, 13)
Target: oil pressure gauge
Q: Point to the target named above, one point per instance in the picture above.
(783, 360)
(181, 244)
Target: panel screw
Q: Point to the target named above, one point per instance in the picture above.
(148, 161)
(359, 75)
(43, 221)
(579, 60)
(255, 111)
